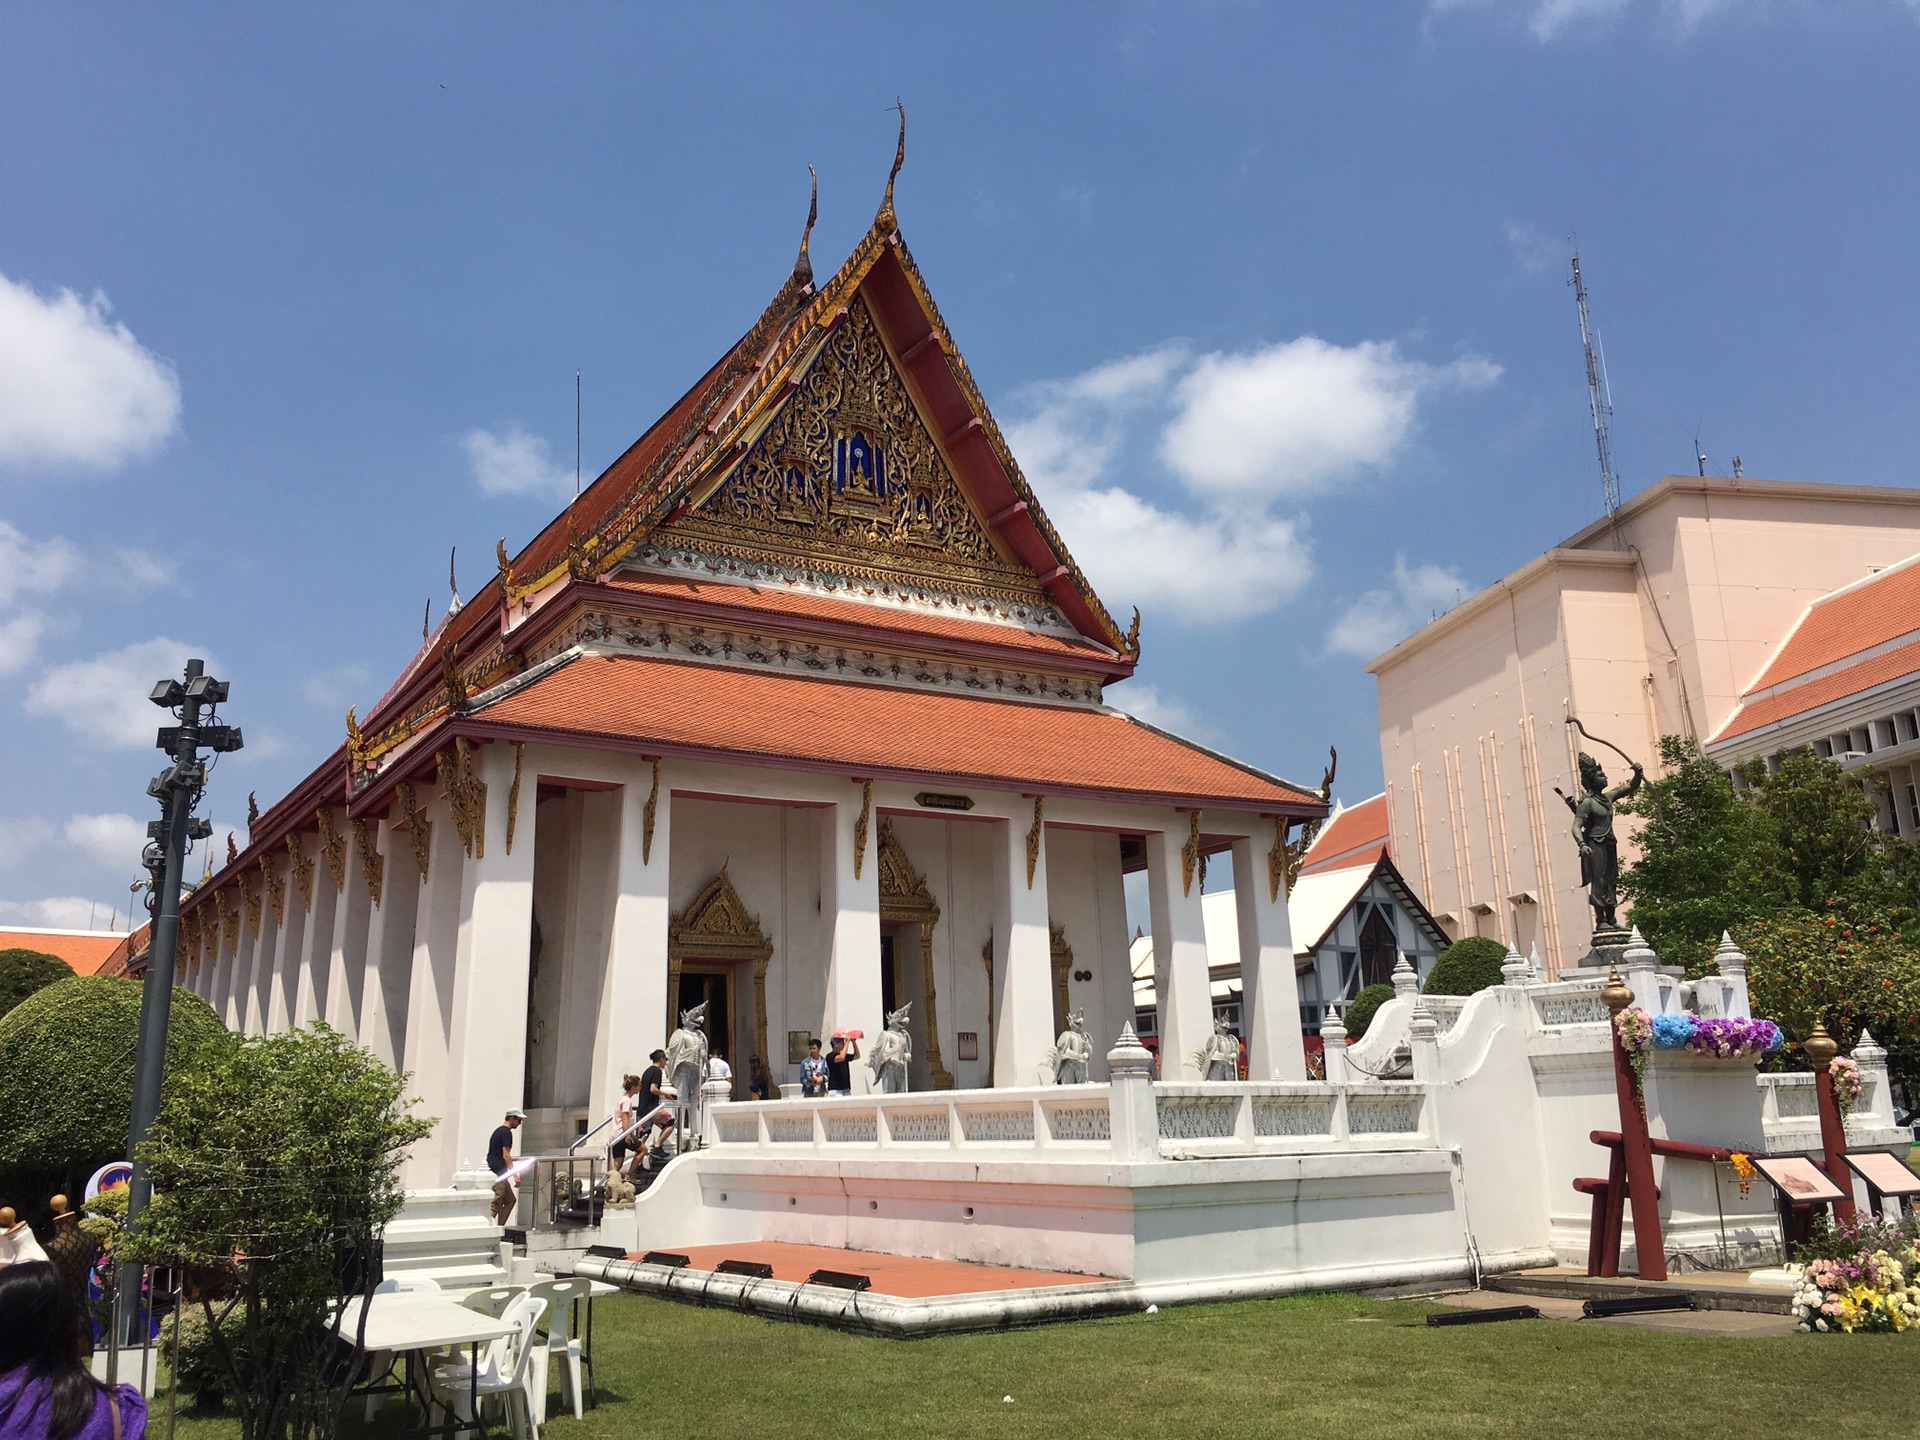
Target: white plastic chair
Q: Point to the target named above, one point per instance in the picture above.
(503, 1374)
(561, 1343)
(494, 1301)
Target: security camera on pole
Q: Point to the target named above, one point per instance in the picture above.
(178, 790)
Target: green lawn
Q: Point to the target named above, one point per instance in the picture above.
(1310, 1366)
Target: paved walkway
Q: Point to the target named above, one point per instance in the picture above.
(906, 1276)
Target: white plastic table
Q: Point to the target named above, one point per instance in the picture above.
(413, 1323)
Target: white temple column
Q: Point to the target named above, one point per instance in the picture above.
(347, 957)
(1179, 951)
(386, 983)
(436, 939)
(1022, 996)
(850, 904)
(633, 986)
(265, 957)
(288, 934)
(312, 998)
(1269, 993)
(487, 1037)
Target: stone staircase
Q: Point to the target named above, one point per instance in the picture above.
(447, 1235)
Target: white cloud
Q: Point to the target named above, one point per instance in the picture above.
(337, 688)
(515, 462)
(33, 567)
(66, 912)
(1380, 619)
(140, 570)
(75, 387)
(1295, 417)
(105, 699)
(20, 640)
(1549, 20)
(1147, 702)
(113, 841)
(1534, 250)
(1239, 434)
(20, 839)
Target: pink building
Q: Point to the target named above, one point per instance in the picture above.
(1661, 618)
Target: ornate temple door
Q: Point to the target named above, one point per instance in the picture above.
(717, 952)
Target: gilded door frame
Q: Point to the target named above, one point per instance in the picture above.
(716, 931)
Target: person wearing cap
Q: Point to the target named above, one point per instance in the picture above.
(500, 1161)
(17, 1245)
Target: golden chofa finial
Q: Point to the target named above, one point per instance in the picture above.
(886, 222)
(803, 266)
(453, 581)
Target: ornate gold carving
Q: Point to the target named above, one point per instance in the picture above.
(1190, 853)
(233, 850)
(513, 791)
(229, 921)
(253, 812)
(906, 900)
(1277, 860)
(1061, 954)
(847, 471)
(356, 742)
(301, 870)
(1130, 647)
(717, 930)
(646, 826)
(452, 682)
(860, 826)
(885, 221)
(419, 828)
(466, 795)
(276, 887)
(1034, 836)
(373, 865)
(506, 568)
(250, 898)
(582, 554)
(1297, 846)
(333, 847)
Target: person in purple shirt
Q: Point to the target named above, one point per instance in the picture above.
(45, 1392)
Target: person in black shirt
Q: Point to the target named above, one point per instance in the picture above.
(499, 1159)
(656, 1108)
(846, 1050)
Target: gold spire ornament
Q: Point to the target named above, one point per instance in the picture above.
(1820, 1047)
(803, 264)
(886, 222)
(1618, 995)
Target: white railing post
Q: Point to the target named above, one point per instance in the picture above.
(1424, 1038)
(1136, 1123)
(1732, 965)
(1333, 1046)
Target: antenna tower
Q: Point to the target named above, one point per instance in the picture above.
(1599, 394)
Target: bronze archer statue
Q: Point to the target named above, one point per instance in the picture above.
(1593, 833)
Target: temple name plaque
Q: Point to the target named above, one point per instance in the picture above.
(934, 800)
(1798, 1179)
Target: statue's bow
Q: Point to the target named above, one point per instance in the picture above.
(1598, 741)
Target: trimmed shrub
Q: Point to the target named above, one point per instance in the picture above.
(1466, 966)
(1361, 1010)
(24, 972)
(66, 1069)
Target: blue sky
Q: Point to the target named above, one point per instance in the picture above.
(1271, 300)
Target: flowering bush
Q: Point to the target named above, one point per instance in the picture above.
(1722, 1039)
(1861, 1277)
(1846, 1084)
(1852, 973)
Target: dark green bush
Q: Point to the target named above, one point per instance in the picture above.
(66, 1069)
(1466, 966)
(1361, 1010)
(23, 972)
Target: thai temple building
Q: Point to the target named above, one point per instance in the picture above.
(798, 711)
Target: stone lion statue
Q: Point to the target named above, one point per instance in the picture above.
(890, 1054)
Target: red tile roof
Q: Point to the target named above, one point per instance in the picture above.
(1867, 613)
(1811, 694)
(897, 620)
(85, 950)
(1356, 836)
(847, 727)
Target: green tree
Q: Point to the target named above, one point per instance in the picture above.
(1854, 973)
(1466, 966)
(66, 1077)
(278, 1156)
(24, 972)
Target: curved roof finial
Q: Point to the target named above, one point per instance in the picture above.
(886, 221)
(803, 266)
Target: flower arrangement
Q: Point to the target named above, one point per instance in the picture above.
(1723, 1039)
(1744, 1171)
(1634, 1028)
(1846, 1084)
(1861, 1277)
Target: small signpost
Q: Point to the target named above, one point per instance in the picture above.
(1798, 1186)
(1886, 1177)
